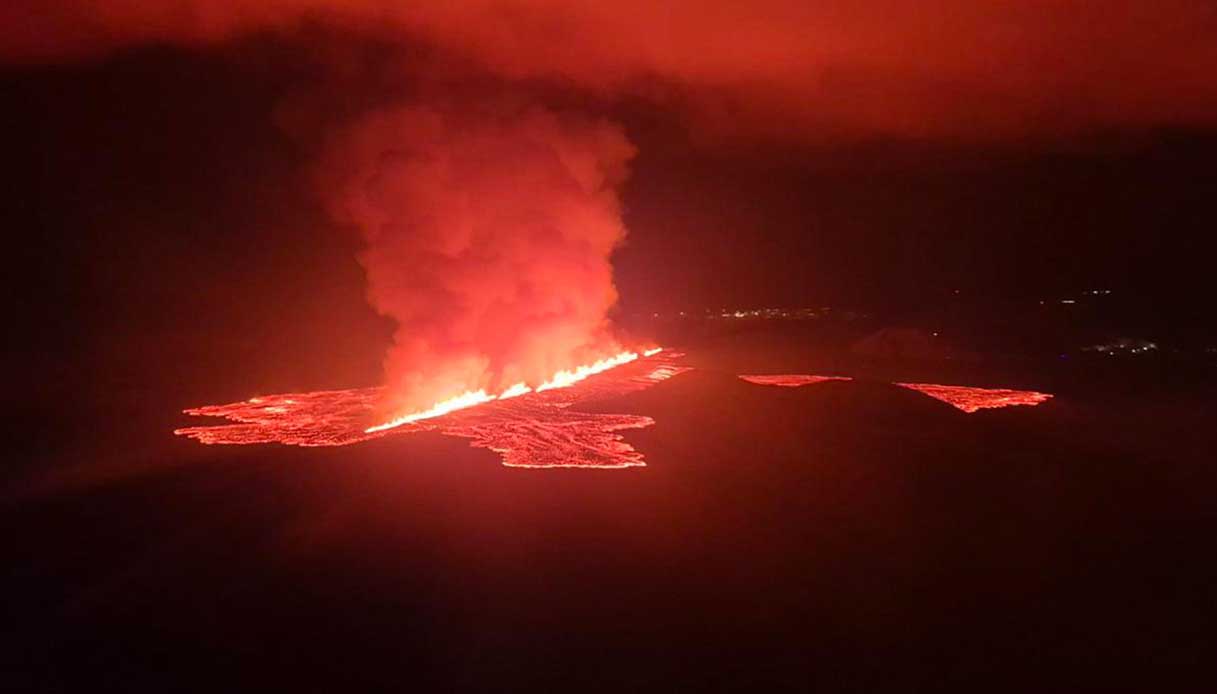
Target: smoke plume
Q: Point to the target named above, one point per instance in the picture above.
(488, 231)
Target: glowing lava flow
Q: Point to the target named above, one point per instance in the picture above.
(791, 380)
(972, 399)
(319, 418)
(964, 398)
(526, 428)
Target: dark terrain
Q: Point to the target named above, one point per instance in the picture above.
(846, 536)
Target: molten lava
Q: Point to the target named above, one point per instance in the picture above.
(791, 380)
(964, 398)
(527, 428)
(972, 399)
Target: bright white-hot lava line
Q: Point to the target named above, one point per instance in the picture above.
(518, 389)
(460, 402)
(562, 379)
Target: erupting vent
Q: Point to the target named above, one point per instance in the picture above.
(527, 428)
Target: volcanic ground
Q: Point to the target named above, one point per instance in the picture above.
(849, 534)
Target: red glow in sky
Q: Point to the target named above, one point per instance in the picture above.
(786, 67)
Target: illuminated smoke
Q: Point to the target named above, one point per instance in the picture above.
(488, 233)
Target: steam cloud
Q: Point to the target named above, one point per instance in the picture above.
(488, 233)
